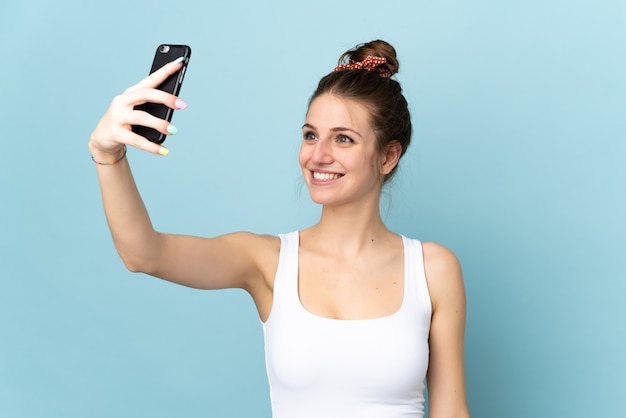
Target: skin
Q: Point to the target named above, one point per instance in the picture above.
(351, 265)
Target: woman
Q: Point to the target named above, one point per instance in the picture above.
(355, 316)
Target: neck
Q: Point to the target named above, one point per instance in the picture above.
(349, 229)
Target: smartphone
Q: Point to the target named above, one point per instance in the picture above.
(164, 54)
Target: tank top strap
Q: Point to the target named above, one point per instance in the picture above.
(286, 279)
(417, 298)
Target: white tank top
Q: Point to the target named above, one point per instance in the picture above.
(327, 368)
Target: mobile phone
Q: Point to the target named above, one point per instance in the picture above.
(164, 54)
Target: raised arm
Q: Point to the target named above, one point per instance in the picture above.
(235, 260)
(446, 375)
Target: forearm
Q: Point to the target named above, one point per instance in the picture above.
(135, 239)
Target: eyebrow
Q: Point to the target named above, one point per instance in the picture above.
(337, 129)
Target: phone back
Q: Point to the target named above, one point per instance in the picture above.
(164, 54)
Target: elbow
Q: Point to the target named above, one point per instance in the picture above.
(137, 264)
(140, 256)
(132, 267)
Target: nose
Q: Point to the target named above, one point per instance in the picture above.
(322, 152)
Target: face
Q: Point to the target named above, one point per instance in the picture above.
(339, 156)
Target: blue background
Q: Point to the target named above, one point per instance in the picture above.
(517, 165)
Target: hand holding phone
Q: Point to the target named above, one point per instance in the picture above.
(164, 54)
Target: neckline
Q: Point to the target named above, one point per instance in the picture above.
(335, 320)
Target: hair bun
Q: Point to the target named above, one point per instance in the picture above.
(375, 48)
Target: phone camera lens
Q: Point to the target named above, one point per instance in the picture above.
(165, 48)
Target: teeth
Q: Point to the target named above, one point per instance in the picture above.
(325, 176)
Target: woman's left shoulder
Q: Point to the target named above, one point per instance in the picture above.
(438, 255)
(443, 270)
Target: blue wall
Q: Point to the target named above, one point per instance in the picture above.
(517, 165)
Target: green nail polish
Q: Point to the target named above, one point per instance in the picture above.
(172, 129)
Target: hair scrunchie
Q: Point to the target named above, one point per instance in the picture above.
(370, 63)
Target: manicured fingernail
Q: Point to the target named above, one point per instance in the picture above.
(172, 129)
(180, 104)
(163, 151)
(178, 60)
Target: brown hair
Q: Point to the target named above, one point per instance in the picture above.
(390, 117)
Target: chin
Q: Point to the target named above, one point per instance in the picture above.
(325, 199)
(317, 199)
(320, 198)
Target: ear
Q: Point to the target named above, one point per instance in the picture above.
(391, 156)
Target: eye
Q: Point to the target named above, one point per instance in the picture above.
(309, 136)
(344, 139)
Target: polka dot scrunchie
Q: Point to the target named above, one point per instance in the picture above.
(370, 63)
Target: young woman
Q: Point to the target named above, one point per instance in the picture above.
(355, 316)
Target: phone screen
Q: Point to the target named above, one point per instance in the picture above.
(163, 55)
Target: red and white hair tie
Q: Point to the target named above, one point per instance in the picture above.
(370, 63)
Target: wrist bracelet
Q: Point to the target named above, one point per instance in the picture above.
(114, 162)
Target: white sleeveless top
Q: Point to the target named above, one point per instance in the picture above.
(327, 368)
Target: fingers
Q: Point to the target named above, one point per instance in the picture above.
(132, 139)
(159, 76)
(123, 111)
(124, 133)
(115, 127)
(141, 96)
(141, 118)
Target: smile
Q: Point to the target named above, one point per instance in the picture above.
(326, 176)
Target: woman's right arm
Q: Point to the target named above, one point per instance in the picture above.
(233, 260)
